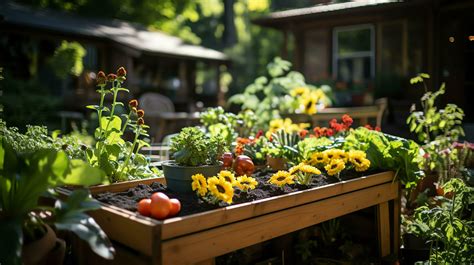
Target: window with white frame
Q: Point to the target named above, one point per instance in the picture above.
(354, 53)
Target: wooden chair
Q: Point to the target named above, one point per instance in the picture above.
(155, 105)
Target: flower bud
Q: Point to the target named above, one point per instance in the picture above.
(133, 103)
(140, 113)
(111, 77)
(140, 121)
(121, 72)
(134, 110)
(101, 78)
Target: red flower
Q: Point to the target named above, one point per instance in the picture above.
(111, 77)
(347, 120)
(140, 113)
(259, 134)
(101, 78)
(329, 132)
(140, 121)
(377, 128)
(121, 72)
(133, 103)
(332, 122)
(303, 133)
(368, 127)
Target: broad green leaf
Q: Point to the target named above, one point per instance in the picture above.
(83, 174)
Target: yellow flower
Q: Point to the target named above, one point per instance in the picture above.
(309, 105)
(335, 154)
(309, 170)
(299, 91)
(287, 125)
(246, 183)
(228, 176)
(318, 158)
(199, 184)
(220, 189)
(357, 158)
(294, 169)
(335, 166)
(282, 178)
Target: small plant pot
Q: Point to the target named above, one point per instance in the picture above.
(276, 163)
(37, 252)
(178, 178)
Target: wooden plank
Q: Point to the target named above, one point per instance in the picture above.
(383, 220)
(122, 186)
(178, 226)
(136, 232)
(214, 242)
(396, 223)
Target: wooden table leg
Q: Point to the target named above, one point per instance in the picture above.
(383, 220)
(396, 226)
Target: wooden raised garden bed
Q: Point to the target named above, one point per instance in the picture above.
(198, 238)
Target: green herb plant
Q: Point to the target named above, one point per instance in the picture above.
(119, 158)
(445, 227)
(437, 129)
(192, 147)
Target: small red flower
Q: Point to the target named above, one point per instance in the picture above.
(347, 120)
(111, 77)
(377, 128)
(259, 134)
(368, 127)
(329, 132)
(303, 133)
(140, 113)
(332, 122)
(101, 78)
(140, 121)
(133, 103)
(121, 72)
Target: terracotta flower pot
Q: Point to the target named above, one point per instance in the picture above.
(178, 178)
(37, 252)
(276, 163)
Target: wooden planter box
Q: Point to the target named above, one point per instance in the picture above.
(198, 238)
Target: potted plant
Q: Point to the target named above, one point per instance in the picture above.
(26, 220)
(194, 153)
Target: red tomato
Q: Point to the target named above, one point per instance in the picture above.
(160, 205)
(227, 158)
(243, 165)
(175, 207)
(143, 207)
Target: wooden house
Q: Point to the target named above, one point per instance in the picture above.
(155, 61)
(370, 48)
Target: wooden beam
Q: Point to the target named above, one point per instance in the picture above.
(383, 221)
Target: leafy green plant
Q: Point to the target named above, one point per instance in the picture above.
(449, 233)
(268, 96)
(437, 129)
(67, 59)
(24, 177)
(119, 158)
(387, 152)
(192, 147)
(285, 145)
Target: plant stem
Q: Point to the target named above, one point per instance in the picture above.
(127, 160)
(126, 122)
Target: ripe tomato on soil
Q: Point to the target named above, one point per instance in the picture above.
(143, 207)
(175, 207)
(160, 205)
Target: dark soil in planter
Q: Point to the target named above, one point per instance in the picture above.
(191, 203)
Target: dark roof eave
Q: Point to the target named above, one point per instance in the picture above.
(277, 22)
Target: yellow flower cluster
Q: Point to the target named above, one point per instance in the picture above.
(308, 99)
(287, 125)
(221, 187)
(334, 160)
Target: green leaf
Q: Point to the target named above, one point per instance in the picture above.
(70, 217)
(84, 174)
